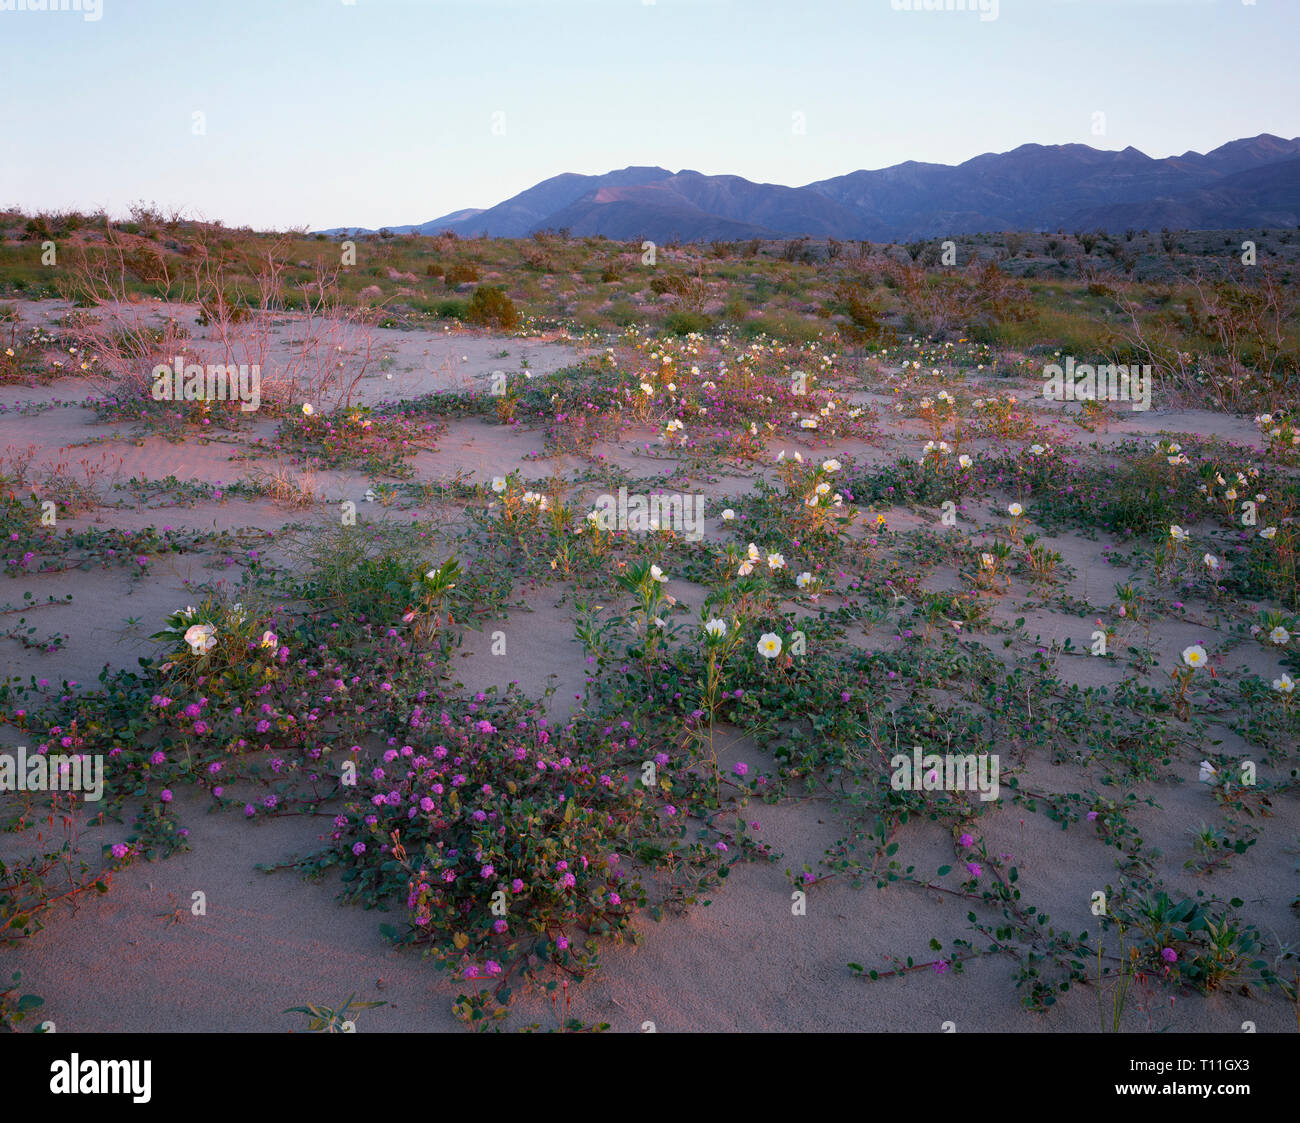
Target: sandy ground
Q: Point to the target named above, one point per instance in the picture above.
(136, 959)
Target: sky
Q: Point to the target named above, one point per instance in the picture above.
(324, 113)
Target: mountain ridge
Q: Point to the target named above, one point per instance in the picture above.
(1244, 182)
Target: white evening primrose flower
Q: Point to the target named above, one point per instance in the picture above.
(775, 561)
(830, 465)
(498, 484)
(822, 488)
(1212, 562)
(1207, 773)
(1268, 532)
(769, 645)
(270, 641)
(1279, 635)
(646, 388)
(752, 553)
(964, 461)
(307, 409)
(746, 568)
(658, 575)
(1194, 656)
(202, 638)
(728, 515)
(1284, 685)
(803, 580)
(716, 627)
(1178, 534)
(1015, 510)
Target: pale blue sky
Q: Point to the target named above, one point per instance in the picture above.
(326, 113)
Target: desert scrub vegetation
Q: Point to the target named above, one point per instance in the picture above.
(241, 293)
(491, 307)
(1231, 341)
(1215, 331)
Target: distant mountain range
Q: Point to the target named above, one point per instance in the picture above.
(1245, 183)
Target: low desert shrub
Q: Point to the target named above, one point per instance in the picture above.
(492, 307)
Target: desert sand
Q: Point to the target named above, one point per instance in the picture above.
(137, 959)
